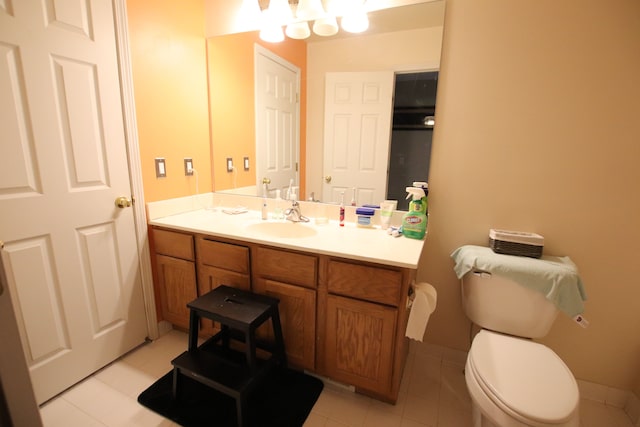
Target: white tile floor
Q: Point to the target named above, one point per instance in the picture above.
(433, 393)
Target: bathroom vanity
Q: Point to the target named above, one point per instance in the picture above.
(343, 291)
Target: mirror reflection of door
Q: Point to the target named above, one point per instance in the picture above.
(277, 86)
(356, 136)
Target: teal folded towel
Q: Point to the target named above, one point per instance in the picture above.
(555, 277)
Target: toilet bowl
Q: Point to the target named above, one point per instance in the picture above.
(515, 382)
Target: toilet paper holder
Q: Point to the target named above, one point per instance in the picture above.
(419, 309)
(411, 294)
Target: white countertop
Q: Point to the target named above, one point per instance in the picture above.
(350, 241)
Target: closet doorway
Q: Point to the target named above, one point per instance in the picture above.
(414, 109)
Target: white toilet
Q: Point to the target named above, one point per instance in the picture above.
(513, 381)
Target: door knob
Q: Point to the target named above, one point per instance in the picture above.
(266, 181)
(327, 179)
(123, 202)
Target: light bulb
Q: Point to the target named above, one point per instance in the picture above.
(355, 22)
(298, 30)
(309, 9)
(280, 11)
(271, 33)
(325, 26)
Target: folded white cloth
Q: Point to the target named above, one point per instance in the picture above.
(235, 211)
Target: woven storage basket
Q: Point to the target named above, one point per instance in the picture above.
(516, 243)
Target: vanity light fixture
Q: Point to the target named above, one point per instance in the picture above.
(279, 13)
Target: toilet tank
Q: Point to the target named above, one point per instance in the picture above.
(502, 305)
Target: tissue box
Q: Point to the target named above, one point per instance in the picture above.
(516, 243)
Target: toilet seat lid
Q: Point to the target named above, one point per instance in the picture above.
(523, 377)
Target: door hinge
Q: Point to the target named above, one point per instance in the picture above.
(296, 166)
(297, 97)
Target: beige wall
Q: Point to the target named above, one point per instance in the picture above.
(412, 50)
(538, 116)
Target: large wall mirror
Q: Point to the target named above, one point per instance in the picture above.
(322, 147)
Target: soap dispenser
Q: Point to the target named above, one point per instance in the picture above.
(278, 210)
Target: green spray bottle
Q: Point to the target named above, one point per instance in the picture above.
(414, 222)
(425, 188)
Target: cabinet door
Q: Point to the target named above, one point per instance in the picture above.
(210, 278)
(298, 318)
(177, 285)
(360, 343)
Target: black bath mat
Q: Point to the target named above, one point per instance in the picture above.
(284, 399)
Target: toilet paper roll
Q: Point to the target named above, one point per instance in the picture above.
(424, 303)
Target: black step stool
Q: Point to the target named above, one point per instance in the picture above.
(217, 365)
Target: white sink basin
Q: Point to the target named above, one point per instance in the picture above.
(288, 230)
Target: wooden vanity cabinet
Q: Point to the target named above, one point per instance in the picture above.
(220, 263)
(364, 343)
(292, 278)
(341, 318)
(176, 274)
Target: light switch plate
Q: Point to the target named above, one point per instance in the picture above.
(161, 167)
(188, 166)
(229, 164)
(246, 163)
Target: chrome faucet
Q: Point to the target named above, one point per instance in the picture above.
(294, 214)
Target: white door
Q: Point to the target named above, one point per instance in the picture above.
(277, 87)
(71, 255)
(357, 135)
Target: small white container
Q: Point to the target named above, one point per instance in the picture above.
(364, 217)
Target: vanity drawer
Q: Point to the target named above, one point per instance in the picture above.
(365, 282)
(223, 255)
(287, 267)
(173, 244)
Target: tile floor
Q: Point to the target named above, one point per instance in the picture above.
(433, 393)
